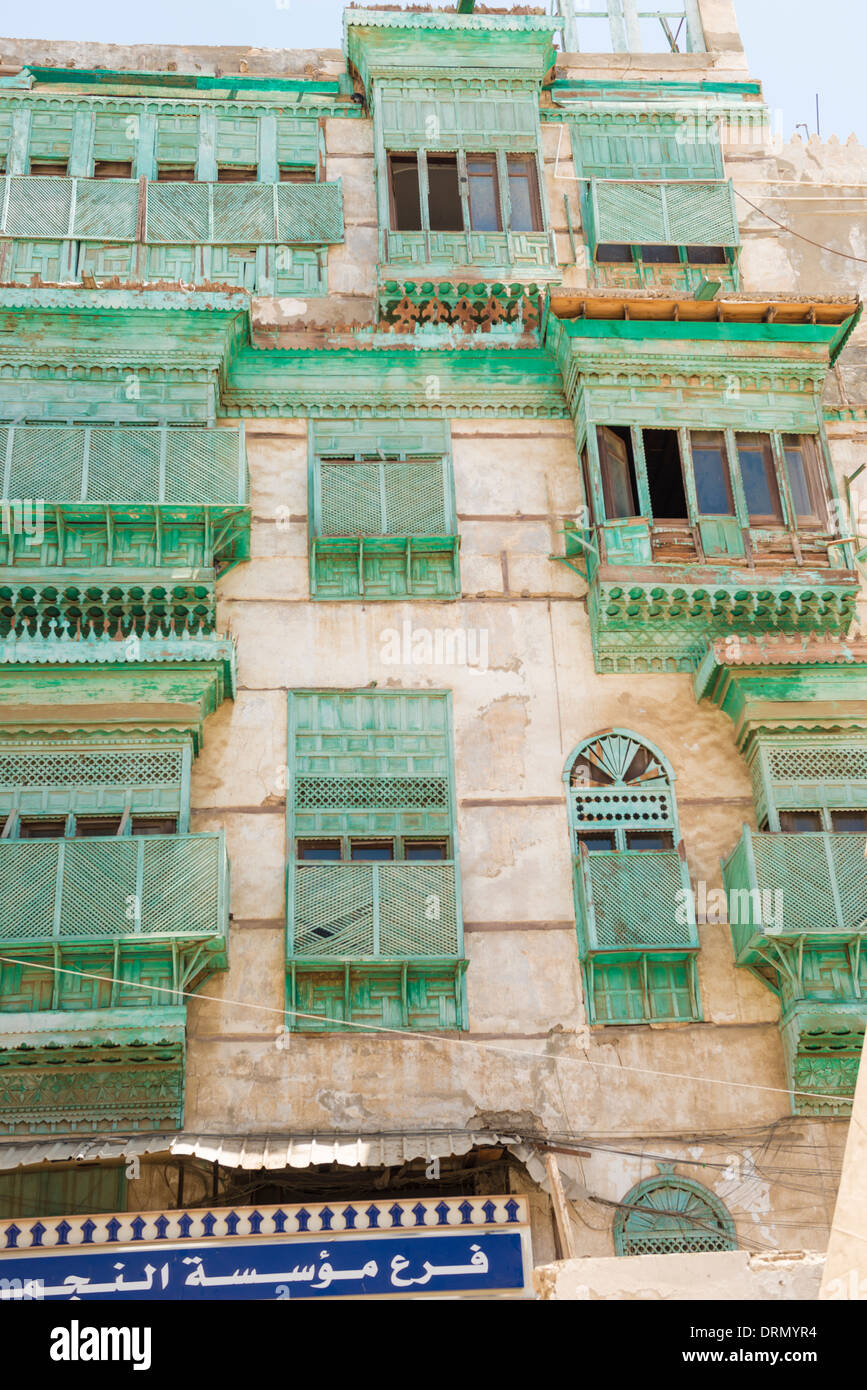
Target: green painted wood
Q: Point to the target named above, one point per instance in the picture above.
(642, 987)
(61, 777)
(372, 763)
(672, 1216)
(153, 886)
(642, 146)
(59, 1191)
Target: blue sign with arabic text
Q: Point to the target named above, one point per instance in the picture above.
(397, 1264)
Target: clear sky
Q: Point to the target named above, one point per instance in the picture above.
(796, 47)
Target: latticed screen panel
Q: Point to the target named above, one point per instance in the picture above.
(28, 881)
(673, 214)
(106, 209)
(126, 886)
(124, 464)
(800, 879)
(371, 793)
(637, 899)
(828, 763)
(383, 499)
(671, 1218)
(38, 207)
(178, 212)
(243, 213)
(47, 462)
(128, 768)
(396, 911)
(310, 213)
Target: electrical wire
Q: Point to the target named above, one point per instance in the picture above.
(438, 1039)
(847, 256)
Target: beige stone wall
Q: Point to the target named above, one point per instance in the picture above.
(719, 1278)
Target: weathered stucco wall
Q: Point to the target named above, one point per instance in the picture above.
(719, 1278)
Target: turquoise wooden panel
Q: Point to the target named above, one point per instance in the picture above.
(673, 214)
(646, 147)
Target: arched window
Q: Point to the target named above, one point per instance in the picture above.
(620, 794)
(672, 1216)
(633, 903)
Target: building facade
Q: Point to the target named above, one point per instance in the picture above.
(433, 734)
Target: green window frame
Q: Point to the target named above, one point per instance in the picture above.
(634, 910)
(372, 941)
(621, 481)
(382, 518)
(824, 776)
(670, 1215)
(120, 781)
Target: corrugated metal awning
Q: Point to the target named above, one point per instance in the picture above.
(273, 1152)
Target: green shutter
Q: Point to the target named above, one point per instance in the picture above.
(661, 147)
(114, 137)
(237, 140)
(297, 140)
(51, 134)
(671, 214)
(177, 140)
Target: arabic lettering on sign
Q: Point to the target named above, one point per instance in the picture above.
(289, 1269)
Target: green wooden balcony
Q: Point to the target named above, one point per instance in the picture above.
(125, 889)
(633, 900)
(651, 615)
(130, 210)
(782, 887)
(375, 945)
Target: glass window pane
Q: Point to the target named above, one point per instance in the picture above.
(319, 849)
(759, 478)
(484, 194)
(618, 993)
(660, 255)
(372, 850)
(444, 198)
(798, 822)
(851, 822)
(40, 829)
(649, 839)
(613, 252)
(805, 485)
(598, 839)
(616, 464)
(524, 194)
(711, 474)
(404, 193)
(425, 849)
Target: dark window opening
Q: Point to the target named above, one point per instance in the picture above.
(851, 822)
(176, 173)
(484, 193)
(706, 255)
(48, 168)
(154, 825)
(524, 193)
(371, 851)
(328, 850)
(425, 849)
(665, 475)
(597, 840)
(93, 827)
(618, 472)
(710, 467)
(660, 255)
(805, 481)
(649, 839)
(797, 822)
(296, 173)
(112, 169)
(42, 828)
(614, 252)
(444, 197)
(237, 173)
(405, 197)
(759, 477)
